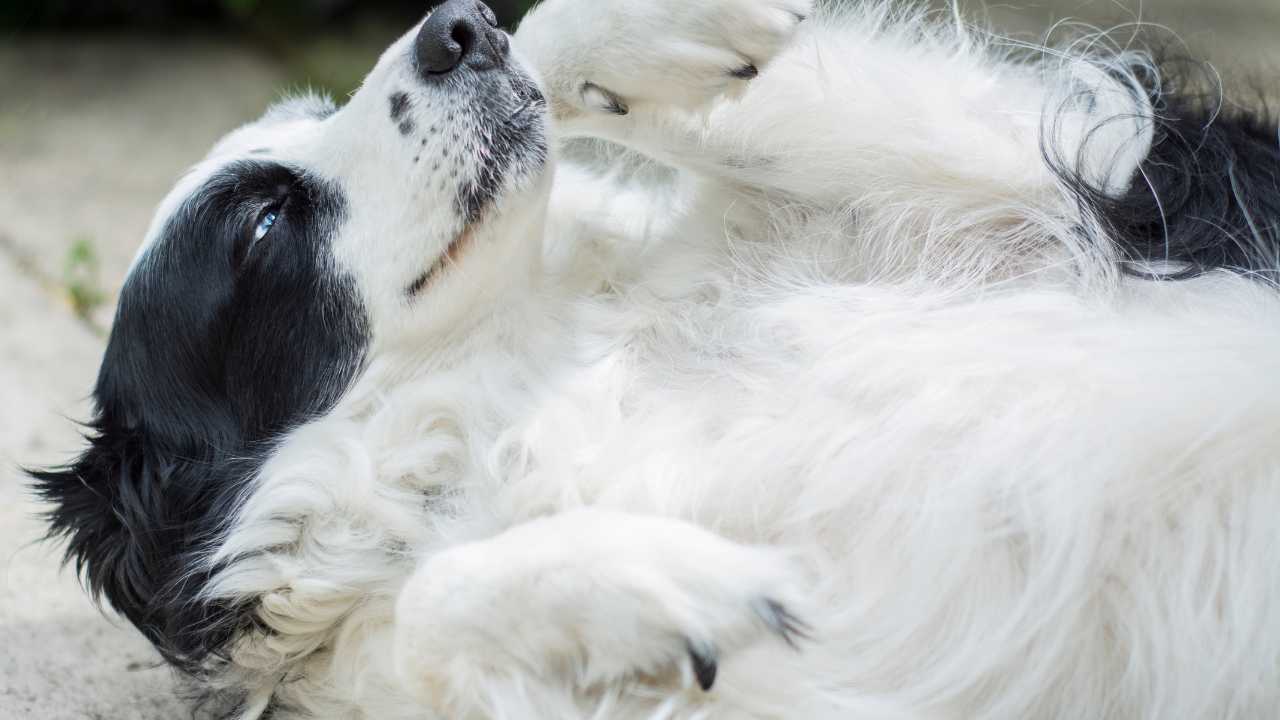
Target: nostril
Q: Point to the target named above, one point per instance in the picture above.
(463, 36)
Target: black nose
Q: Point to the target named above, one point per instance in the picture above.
(460, 32)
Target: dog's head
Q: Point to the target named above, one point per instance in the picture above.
(305, 244)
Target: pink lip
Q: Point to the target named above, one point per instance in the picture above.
(451, 256)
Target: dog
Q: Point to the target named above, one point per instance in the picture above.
(717, 359)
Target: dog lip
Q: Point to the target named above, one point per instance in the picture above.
(528, 105)
(528, 94)
(449, 257)
(457, 247)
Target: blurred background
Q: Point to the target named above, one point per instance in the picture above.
(103, 103)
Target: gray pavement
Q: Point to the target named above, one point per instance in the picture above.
(92, 134)
(60, 659)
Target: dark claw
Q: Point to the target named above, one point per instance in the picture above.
(612, 103)
(783, 622)
(746, 72)
(704, 664)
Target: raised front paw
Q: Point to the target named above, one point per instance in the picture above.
(589, 598)
(610, 56)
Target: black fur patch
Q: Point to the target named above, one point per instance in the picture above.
(399, 106)
(399, 103)
(220, 346)
(1207, 196)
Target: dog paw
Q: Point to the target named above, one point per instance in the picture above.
(664, 52)
(703, 51)
(591, 598)
(704, 656)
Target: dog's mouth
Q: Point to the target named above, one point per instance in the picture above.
(515, 139)
(529, 105)
(529, 96)
(451, 256)
(515, 148)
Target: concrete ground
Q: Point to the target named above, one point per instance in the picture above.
(92, 134)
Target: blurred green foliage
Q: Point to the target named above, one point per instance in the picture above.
(80, 277)
(26, 15)
(325, 45)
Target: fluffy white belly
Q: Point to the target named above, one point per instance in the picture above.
(1003, 502)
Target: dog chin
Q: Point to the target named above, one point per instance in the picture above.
(518, 150)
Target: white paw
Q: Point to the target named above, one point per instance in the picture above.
(671, 52)
(590, 597)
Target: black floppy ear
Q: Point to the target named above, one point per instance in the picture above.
(137, 520)
(107, 507)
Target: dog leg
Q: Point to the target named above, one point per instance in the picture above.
(854, 101)
(586, 598)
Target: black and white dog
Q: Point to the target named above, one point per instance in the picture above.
(714, 359)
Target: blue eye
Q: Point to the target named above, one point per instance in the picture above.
(265, 224)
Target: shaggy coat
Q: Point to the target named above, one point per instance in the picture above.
(715, 359)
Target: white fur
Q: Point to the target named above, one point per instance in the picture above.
(844, 352)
